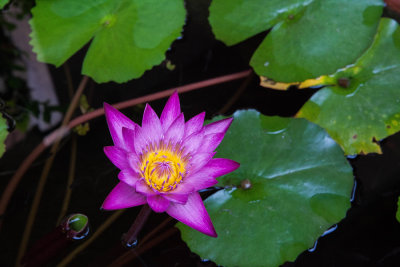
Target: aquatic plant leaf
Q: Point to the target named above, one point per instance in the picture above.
(309, 38)
(398, 210)
(366, 108)
(3, 134)
(300, 186)
(3, 3)
(126, 37)
(320, 81)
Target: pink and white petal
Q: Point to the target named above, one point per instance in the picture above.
(200, 180)
(171, 111)
(220, 126)
(199, 160)
(143, 188)
(218, 166)
(177, 198)
(123, 196)
(116, 120)
(129, 136)
(195, 124)
(176, 130)
(192, 143)
(118, 156)
(158, 203)
(193, 214)
(129, 177)
(140, 141)
(211, 142)
(134, 162)
(151, 125)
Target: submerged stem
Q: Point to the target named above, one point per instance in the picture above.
(71, 176)
(129, 239)
(46, 170)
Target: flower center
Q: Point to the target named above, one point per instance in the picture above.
(163, 168)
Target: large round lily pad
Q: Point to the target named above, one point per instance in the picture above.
(368, 109)
(300, 186)
(127, 37)
(309, 37)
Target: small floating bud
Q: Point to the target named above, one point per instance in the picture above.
(76, 226)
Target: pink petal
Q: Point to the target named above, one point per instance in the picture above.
(182, 188)
(177, 198)
(193, 214)
(129, 177)
(200, 180)
(176, 130)
(171, 111)
(199, 160)
(123, 196)
(193, 142)
(134, 162)
(220, 126)
(143, 188)
(118, 156)
(219, 167)
(140, 141)
(205, 177)
(129, 136)
(194, 124)
(116, 120)
(151, 125)
(158, 203)
(211, 142)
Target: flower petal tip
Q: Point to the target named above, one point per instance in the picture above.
(171, 111)
(122, 196)
(213, 234)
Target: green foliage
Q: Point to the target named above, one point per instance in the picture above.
(3, 134)
(367, 108)
(309, 38)
(126, 37)
(300, 186)
(398, 210)
(3, 3)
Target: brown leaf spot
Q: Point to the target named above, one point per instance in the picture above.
(344, 82)
(245, 184)
(355, 136)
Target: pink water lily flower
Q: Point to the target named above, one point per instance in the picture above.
(165, 162)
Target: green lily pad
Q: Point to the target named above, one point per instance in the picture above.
(300, 186)
(3, 3)
(3, 135)
(368, 109)
(398, 210)
(127, 37)
(309, 37)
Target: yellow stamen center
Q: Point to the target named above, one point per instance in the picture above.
(163, 168)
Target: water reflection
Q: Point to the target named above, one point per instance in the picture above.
(327, 232)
